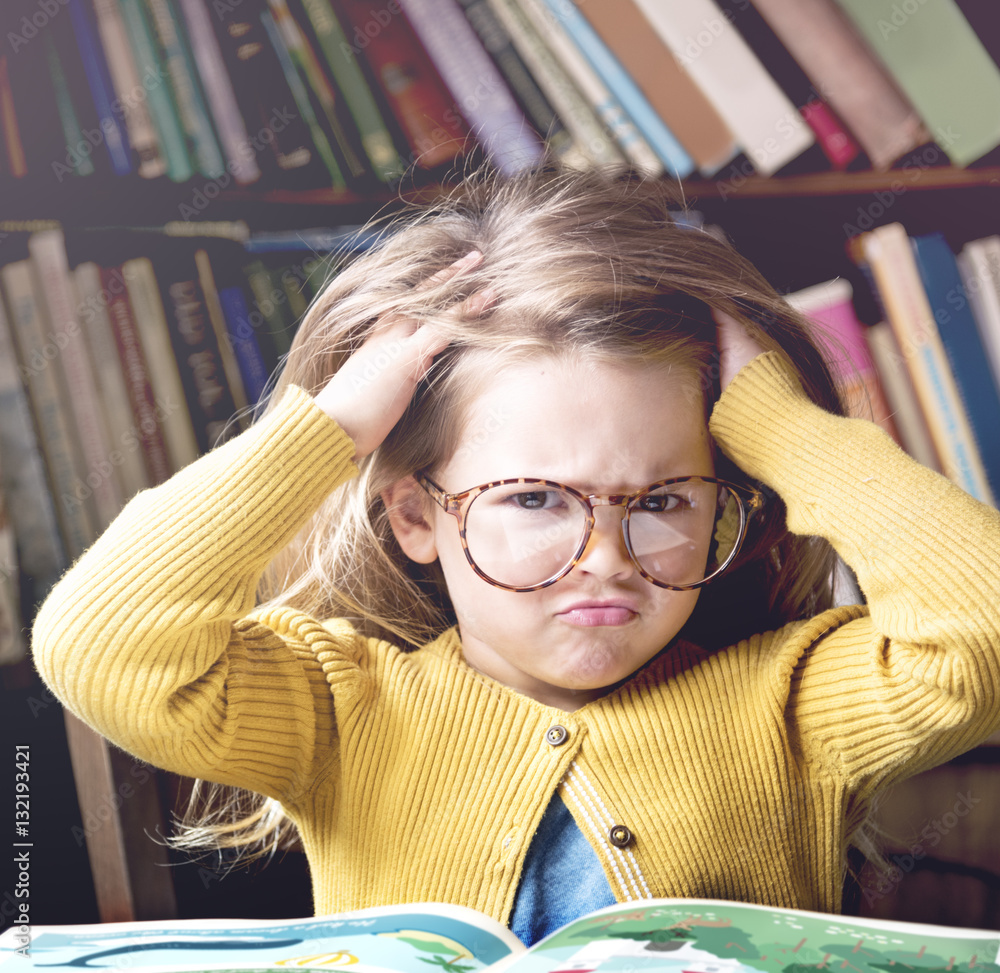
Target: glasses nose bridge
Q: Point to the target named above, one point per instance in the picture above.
(607, 500)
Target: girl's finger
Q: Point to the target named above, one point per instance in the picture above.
(470, 260)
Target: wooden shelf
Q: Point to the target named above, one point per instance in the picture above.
(843, 183)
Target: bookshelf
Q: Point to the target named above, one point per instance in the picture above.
(793, 224)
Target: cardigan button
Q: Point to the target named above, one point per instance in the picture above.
(556, 735)
(620, 836)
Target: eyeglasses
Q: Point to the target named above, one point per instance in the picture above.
(526, 533)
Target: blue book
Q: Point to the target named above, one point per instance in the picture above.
(960, 336)
(253, 368)
(102, 91)
(619, 82)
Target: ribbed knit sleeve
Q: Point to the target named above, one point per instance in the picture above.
(918, 680)
(147, 637)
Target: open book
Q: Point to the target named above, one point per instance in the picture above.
(679, 935)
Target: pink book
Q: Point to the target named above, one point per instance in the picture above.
(829, 308)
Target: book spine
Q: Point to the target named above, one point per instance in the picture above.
(251, 361)
(332, 107)
(164, 375)
(353, 87)
(766, 124)
(159, 95)
(12, 644)
(966, 354)
(202, 373)
(130, 97)
(408, 81)
(829, 309)
(263, 81)
(843, 68)
(498, 44)
(146, 430)
(99, 473)
(191, 108)
(113, 131)
(22, 475)
(888, 251)
(475, 83)
(269, 301)
(235, 143)
(82, 164)
(901, 395)
(74, 516)
(837, 144)
(593, 142)
(217, 318)
(581, 73)
(290, 64)
(126, 452)
(634, 103)
(943, 68)
(979, 263)
(16, 159)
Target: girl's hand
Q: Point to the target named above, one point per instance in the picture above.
(370, 391)
(736, 347)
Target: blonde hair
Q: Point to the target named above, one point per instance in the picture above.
(592, 264)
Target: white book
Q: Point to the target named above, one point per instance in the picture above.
(22, 473)
(37, 348)
(129, 88)
(99, 473)
(164, 375)
(765, 123)
(592, 142)
(898, 388)
(591, 85)
(979, 263)
(888, 252)
(126, 451)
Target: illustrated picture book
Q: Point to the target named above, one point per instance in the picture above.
(677, 935)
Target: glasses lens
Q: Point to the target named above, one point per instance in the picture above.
(522, 534)
(685, 532)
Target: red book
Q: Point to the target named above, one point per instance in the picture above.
(135, 370)
(405, 80)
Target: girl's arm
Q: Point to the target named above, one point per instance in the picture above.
(917, 680)
(148, 637)
(152, 637)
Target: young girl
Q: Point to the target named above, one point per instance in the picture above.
(546, 500)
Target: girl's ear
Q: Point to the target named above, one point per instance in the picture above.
(408, 508)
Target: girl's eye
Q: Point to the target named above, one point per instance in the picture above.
(536, 500)
(658, 503)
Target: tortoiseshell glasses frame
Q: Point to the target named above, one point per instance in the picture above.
(748, 500)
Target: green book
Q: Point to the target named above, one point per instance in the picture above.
(156, 90)
(72, 132)
(191, 108)
(270, 308)
(941, 65)
(354, 89)
(301, 95)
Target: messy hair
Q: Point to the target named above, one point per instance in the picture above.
(596, 264)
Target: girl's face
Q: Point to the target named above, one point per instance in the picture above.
(599, 428)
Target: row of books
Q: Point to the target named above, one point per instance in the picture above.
(123, 357)
(929, 370)
(353, 93)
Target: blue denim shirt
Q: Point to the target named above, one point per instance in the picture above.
(562, 878)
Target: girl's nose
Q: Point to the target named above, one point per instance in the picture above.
(605, 555)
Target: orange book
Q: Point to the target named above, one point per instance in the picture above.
(688, 114)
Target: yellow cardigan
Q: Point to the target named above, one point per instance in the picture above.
(738, 774)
